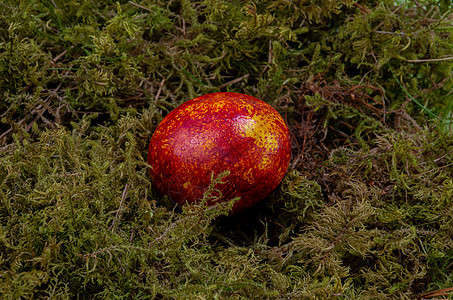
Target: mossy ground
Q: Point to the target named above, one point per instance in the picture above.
(365, 211)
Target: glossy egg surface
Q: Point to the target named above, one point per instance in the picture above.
(215, 133)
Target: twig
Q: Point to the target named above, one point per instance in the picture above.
(59, 56)
(438, 293)
(233, 81)
(439, 158)
(363, 9)
(269, 59)
(159, 90)
(47, 102)
(435, 169)
(428, 60)
(120, 209)
(419, 6)
(138, 5)
(383, 22)
(45, 107)
(40, 114)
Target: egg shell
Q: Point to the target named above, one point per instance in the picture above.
(215, 133)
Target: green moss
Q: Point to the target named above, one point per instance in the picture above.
(365, 210)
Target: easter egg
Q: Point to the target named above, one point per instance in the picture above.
(218, 132)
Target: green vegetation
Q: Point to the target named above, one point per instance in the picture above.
(365, 211)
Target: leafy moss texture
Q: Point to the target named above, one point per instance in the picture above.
(364, 212)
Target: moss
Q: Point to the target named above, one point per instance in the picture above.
(365, 210)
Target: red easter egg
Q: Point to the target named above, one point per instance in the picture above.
(215, 133)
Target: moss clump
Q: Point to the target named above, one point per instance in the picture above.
(365, 210)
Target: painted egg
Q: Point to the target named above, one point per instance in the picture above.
(219, 132)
